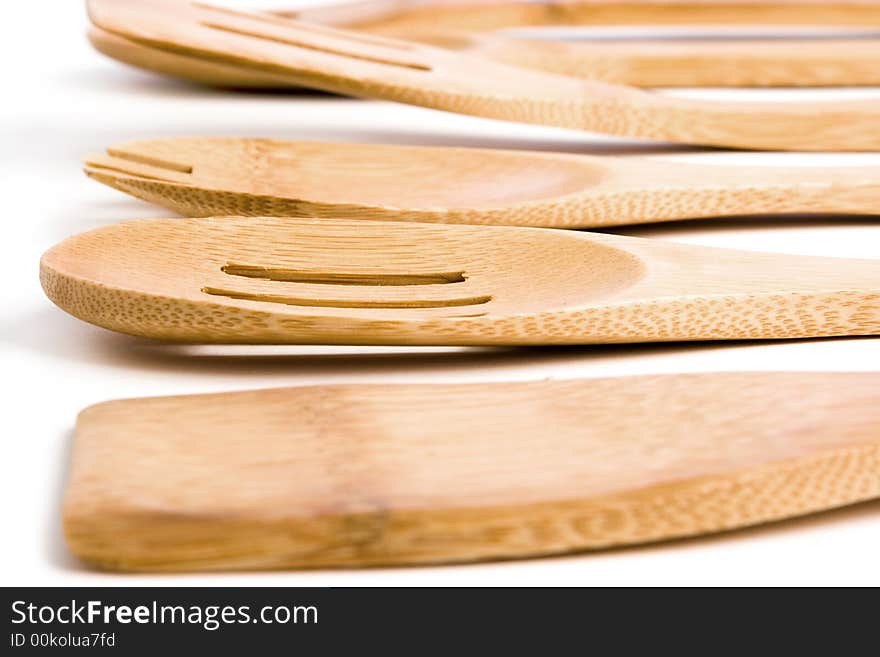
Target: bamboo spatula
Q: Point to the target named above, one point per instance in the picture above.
(378, 67)
(371, 475)
(343, 281)
(205, 176)
(741, 63)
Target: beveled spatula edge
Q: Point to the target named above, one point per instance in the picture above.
(364, 522)
(374, 540)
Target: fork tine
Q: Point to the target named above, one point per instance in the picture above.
(149, 153)
(134, 167)
(318, 38)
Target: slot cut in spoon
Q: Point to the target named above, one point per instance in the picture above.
(205, 176)
(364, 65)
(381, 475)
(639, 63)
(309, 281)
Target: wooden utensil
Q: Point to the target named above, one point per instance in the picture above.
(311, 281)
(185, 67)
(408, 18)
(378, 67)
(694, 63)
(368, 475)
(414, 19)
(639, 63)
(741, 63)
(205, 176)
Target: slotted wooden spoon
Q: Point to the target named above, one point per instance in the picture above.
(369, 475)
(206, 176)
(311, 281)
(366, 65)
(640, 63)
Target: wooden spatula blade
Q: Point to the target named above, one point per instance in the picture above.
(371, 475)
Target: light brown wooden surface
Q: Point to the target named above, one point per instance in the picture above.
(409, 18)
(406, 19)
(205, 176)
(733, 63)
(192, 69)
(407, 474)
(638, 63)
(344, 281)
(377, 67)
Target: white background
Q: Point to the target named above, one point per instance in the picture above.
(62, 100)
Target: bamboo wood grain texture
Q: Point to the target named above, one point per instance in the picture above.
(311, 281)
(204, 176)
(377, 67)
(411, 19)
(184, 67)
(372, 475)
(746, 63)
(732, 63)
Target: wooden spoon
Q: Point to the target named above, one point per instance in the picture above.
(206, 176)
(311, 281)
(366, 65)
(368, 475)
(741, 63)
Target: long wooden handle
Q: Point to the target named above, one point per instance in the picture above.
(639, 190)
(529, 96)
(436, 78)
(710, 293)
(757, 63)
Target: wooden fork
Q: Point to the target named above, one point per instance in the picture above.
(367, 475)
(287, 280)
(741, 63)
(205, 176)
(378, 67)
